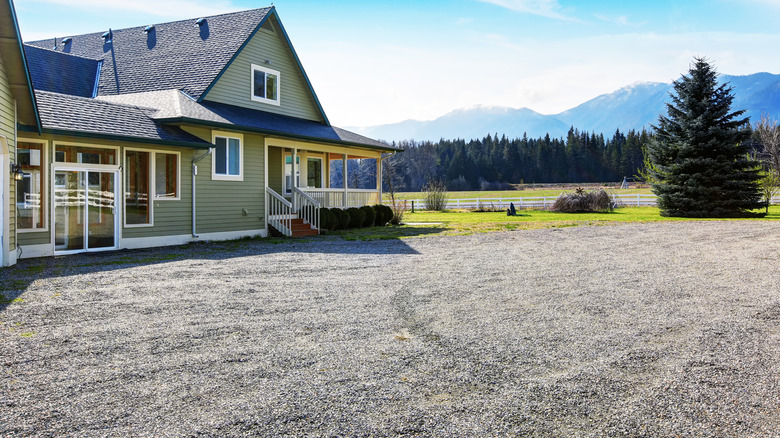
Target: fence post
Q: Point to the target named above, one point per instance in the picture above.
(412, 206)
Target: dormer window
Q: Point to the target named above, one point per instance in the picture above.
(265, 85)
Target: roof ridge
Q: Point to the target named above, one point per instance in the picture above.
(143, 26)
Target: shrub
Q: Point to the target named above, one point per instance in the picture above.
(383, 215)
(356, 217)
(342, 217)
(368, 221)
(435, 195)
(583, 202)
(328, 220)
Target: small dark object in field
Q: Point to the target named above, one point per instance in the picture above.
(583, 202)
(511, 211)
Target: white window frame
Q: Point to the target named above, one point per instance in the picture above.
(266, 70)
(125, 168)
(226, 177)
(286, 190)
(44, 180)
(178, 176)
(321, 159)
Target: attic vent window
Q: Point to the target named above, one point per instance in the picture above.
(265, 85)
(200, 21)
(148, 29)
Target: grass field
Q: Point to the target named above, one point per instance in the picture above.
(532, 192)
(468, 222)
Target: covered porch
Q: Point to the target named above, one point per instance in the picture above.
(303, 177)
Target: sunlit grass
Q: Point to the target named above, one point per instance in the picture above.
(467, 222)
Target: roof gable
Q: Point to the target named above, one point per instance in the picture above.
(269, 47)
(15, 62)
(178, 55)
(61, 73)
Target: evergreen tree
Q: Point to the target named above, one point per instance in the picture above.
(700, 158)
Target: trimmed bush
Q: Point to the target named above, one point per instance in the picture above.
(583, 202)
(342, 217)
(356, 217)
(370, 216)
(328, 220)
(383, 215)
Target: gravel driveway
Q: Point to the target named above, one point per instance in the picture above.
(631, 330)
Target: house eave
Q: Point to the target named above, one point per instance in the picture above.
(272, 133)
(123, 138)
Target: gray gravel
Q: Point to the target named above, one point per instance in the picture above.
(666, 329)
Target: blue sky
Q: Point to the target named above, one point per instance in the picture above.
(377, 62)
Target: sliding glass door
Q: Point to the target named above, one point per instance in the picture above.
(84, 210)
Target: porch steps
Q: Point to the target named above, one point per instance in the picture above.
(301, 229)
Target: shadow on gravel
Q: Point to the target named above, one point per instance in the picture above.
(14, 280)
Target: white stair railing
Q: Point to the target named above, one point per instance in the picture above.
(280, 212)
(307, 208)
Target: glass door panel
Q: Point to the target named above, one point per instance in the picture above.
(84, 206)
(69, 205)
(100, 211)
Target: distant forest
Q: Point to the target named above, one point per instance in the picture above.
(493, 163)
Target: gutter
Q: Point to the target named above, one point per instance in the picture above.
(194, 174)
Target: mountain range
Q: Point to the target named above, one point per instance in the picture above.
(635, 106)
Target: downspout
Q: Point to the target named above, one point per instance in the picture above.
(194, 174)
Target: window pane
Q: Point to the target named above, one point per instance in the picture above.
(259, 83)
(220, 156)
(235, 156)
(84, 154)
(137, 187)
(29, 191)
(270, 86)
(166, 175)
(314, 172)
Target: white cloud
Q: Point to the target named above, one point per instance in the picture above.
(544, 8)
(622, 20)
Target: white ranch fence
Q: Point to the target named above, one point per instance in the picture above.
(538, 202)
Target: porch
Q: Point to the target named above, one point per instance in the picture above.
(301, 180)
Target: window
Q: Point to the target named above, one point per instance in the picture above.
(85, 154)
(288, 183)
(137, 188)
(166, 175)
(314, 172)
(265, 85)
(30, 190)
(227, 160)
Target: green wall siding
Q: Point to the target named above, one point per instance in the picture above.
(7, 123)
(220, 203)
(275, 169)
(234, 86)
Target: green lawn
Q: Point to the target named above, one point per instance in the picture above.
(467, 222)
(511, 193)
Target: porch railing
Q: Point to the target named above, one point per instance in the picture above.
(307, 207)
(335, 197)
(280, 212)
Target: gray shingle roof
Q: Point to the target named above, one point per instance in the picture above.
(179, 55)
(61, 73)
(173, 106)
(79, 115)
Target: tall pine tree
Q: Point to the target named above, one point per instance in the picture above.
(700, 158)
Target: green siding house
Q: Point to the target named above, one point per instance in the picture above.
(200, 129)
(17, 105)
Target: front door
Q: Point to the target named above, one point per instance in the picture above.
(84, 210)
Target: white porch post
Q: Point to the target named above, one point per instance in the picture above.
(379, 177)
(346, 180)
(293, 178)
